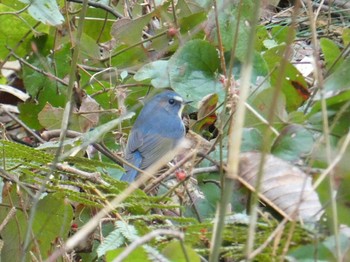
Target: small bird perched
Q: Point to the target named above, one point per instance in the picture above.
(156, 131)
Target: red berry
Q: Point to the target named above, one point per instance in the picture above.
(172, 31)
(180, 175)
(74, 227)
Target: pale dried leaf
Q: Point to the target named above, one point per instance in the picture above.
(284, 185)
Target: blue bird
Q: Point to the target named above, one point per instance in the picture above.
(156, 131)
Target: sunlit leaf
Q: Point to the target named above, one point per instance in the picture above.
(157, 71)
(174, 251)
(294, 96)
(46, 12)
(331, 53)
(22, 23)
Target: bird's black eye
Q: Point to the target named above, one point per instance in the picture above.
(171, 101)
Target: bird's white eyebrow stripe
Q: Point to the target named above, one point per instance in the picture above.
(178, 98)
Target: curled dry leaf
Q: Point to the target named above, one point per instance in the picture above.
(284, 187)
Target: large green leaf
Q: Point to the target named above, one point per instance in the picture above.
(338, 81)
(229, 12)
(46, 11)
(129, 31)
(251, 140)
(293, 84)
(13, 28)
(262, 103)
(294, 142)
(174, 251)
(193, 70)
(331, 54)
(157, 71)
(52, 221)
(336, 89)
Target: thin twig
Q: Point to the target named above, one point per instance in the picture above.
(157, 180)
(101, 6)
(9, 215)
(93, 177)
(220, 44)
(326, 131)
(50, 134)
(335, 161)
(39, 70)
(268, 240)
(30, 131)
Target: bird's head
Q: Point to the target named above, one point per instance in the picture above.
(170, 101)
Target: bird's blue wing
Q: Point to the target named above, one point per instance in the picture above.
(153, 148)
(132, 156)
(130, 173)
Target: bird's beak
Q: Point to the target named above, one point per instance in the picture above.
(187, 102)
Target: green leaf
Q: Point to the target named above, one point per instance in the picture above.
(157, 71)
(138, 255)
(334, 100)
(262, 102)
(251, 140)
(128, 231)
(281, 33)
(338, 81)
(331, 53)
(193, 71)
(98, 28)
(228, 23)
(126, 57)
(47, 92)
(311, 252)
(46, 11)
(52, 221)
(296, 117)
(174, 252)
(189, 23)
(292, 82)
(206, 206)
(114, 240)
(293, 143)
(346, 36)
(330, 243)
(336, 89)
(22, 23)
(38, 84)
(129, 32)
